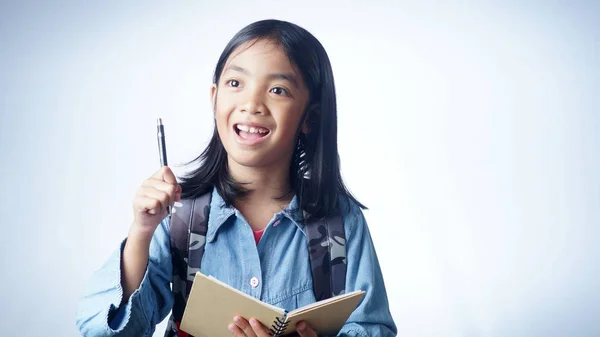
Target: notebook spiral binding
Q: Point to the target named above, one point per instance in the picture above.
(279, 325)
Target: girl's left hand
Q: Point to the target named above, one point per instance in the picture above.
(243, 328)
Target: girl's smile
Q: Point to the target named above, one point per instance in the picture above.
(250, 133)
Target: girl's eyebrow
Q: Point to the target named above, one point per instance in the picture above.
(237, 68)
(284, 76)
(275, 76)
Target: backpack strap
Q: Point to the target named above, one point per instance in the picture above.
(327, 249)
(189, 226)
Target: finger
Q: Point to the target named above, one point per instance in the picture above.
(174, 190)
(153, 182)
(171, 189)
(169, 176)
(163, 197)
(178, 195)
(160, 173)
(258, 328)
(304, 330)
(244, 326)
(177, 191)
(147, 204)
(235, 331)
(165, 174)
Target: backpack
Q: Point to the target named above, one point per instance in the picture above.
(326, 245)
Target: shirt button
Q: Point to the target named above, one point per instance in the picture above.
(254, 282)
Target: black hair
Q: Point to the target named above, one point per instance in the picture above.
(315, 167)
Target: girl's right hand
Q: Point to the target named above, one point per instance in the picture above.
(152, 199)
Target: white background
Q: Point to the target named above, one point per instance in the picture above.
(470, 129)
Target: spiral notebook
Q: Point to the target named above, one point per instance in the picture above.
(212, 305)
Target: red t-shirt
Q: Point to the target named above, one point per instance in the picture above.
(258, 235)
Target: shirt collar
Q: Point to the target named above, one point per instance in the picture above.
(293, 212)
(220, 213)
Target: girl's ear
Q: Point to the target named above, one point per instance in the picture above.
(305, 128)
(213, 97)
(311, 112)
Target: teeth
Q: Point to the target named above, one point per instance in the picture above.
(246, 128)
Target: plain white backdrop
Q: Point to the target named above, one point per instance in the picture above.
(470, 129)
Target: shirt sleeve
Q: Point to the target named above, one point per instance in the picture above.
(100, 312)
(372, 317)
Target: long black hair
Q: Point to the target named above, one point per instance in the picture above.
(315, 168)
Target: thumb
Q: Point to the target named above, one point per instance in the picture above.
(169, 176)
(165, 174)
(304, 330)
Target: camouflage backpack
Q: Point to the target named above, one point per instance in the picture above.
(326, 245)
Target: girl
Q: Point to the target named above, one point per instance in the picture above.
(270, 169)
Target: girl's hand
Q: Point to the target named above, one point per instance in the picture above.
(152, 199)
(304, 330)
(243, 328)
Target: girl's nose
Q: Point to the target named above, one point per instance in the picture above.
(253, 104)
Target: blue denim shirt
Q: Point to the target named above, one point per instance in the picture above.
(280, 262)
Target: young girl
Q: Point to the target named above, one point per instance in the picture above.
(271, 169)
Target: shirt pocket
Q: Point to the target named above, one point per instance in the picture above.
(294, 298)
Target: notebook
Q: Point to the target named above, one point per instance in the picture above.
(212, 305)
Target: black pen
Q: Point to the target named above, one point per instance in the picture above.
(162, 148)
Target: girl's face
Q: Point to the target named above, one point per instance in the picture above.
(259, 102)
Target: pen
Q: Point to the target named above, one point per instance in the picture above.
(162, 148)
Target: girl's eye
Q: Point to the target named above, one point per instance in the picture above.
(280, 91)
(233, 83)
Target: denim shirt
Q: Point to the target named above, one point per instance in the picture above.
(280, 262)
